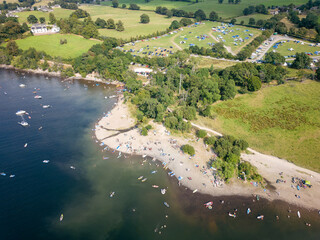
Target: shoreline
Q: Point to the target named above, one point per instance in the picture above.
(58, 74)
(193, 173)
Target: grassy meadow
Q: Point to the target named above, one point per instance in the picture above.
(76, 45)
(225, 10)
(200, 35)
(131, 20)
(58, 13)
(283, 48)
(283, 121)
(205, 62)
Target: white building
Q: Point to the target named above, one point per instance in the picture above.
(44, 29)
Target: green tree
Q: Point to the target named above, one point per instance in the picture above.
(101, 23)
(32, 19)
(254, 84)
(188, 149)
(144, 18)
(144, 131)
(12, 48)
(233, 21)
(119, 26)
(42, 20)
(111, 24)
(213, 16)
(301, 61)
(124, 6)
(252, 21)
(318, 74)
(174, 25)
(115, 3)
(200, 15)
(210, 140)
(201, 133)
(169, 13)
(274, 58)
(52, 18)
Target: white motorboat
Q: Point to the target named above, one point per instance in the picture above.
(25, 145)
(46, 106)
(21, 112)
(45, 161)
(166, 204)
(112, 194)
(163, 191)
(61, 217)
(22, 85)
(23, 123)
(37, 97)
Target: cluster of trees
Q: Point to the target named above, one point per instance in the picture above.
(110, 24)
(199, 15)
(310, 4)
(255, 9)
(13, 5)
(132, 6)
(79, 13)
(228, 150)
(230, 1)
(63, 41)
(218, 51)
(183, 22)
(12, 30)
(85, 28)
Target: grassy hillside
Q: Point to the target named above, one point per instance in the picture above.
(283, 48)
(283, 121)
(51, 44)
(58, 12)
(224, 10)
(131, 20)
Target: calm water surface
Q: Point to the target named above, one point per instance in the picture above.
(32, 201)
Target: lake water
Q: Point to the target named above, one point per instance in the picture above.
(32, 201)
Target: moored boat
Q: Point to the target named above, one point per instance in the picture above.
(61, 217)
(45, 161)
(260, 217)
(143, 180)
(166, 204)
(163, 191)
(21, 112)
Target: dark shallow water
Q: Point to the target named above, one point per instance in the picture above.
(32, 201)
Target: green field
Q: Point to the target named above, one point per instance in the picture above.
(290, 48)
(58, 12)
(201, 35)
(224, 10)
(51, 44)
(131, 20)
(255, 16)
(283, 121)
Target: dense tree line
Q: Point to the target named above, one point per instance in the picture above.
(255, 9)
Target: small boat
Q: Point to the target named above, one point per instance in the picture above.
(61, 217)
(166, 204)
(143, 180)
(232, 215)
(105, 158)
(37, 97)
(153, 172)
(163, 191)
(12, 176)
(22, 85)
(155, 186)
(72, 167)
(260, 217)
(3, 174)
(195, 191)
(139, 178)
(248, 211)
(25, 145)
(21, 112)
(45, 161)
(23, 123)
(112, 194)
(299, 215)
(46, 106)
(208, 205)
(144, 156)
(39, 128)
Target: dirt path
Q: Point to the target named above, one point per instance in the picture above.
(217, 40)
(176, 45)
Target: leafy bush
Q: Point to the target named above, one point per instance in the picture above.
(201, 133)
(144, 131)
(188, 149)
(210, 140)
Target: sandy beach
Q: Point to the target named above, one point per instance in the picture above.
(117, 131)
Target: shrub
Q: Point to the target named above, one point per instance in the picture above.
(148, 127)
(188, 149)
(201, 133)
(144, 131)
(210, 140)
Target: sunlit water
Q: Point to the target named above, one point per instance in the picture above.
(32, 202)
